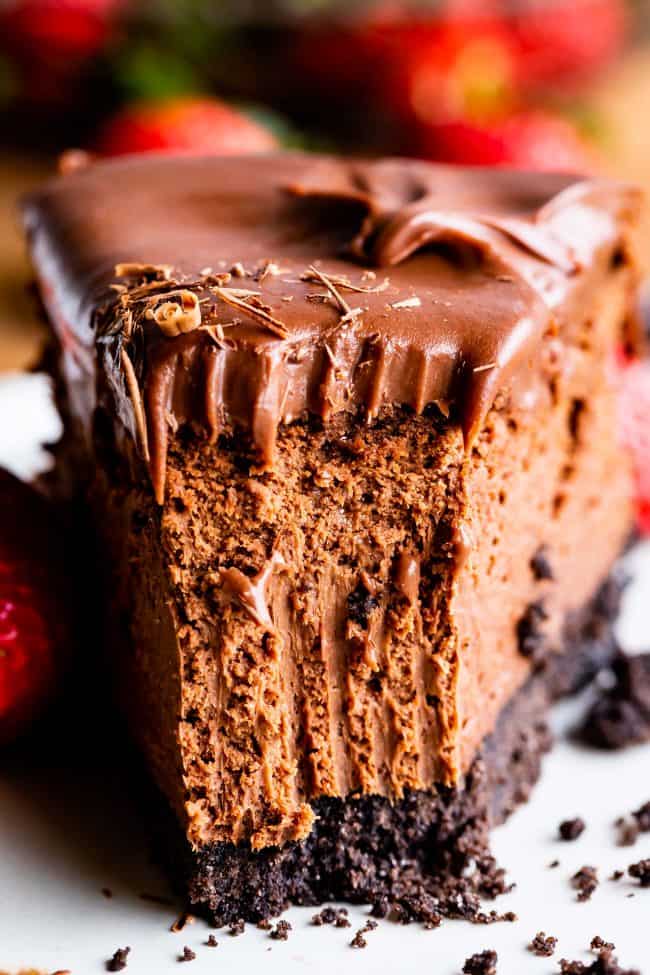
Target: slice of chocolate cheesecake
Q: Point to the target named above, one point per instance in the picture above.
(347, 433)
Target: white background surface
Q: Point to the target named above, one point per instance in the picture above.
(67, 833)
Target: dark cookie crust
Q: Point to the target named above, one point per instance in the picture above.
(408, 859)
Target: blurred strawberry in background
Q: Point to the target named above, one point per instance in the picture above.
(567, 40)
(71, 28)
(413, 67)
(198, 125)
(465, 85)
(50, 41)
(455, 68)
(35, 629)
(458, 80)
(529, 140)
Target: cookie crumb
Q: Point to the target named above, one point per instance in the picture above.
(543, 945)
(642, 816)
(604, 964)
(483, 963)
(359, 941)
(237, 927)
(598, 943)
(571, 829)
(188, 954)
(264, 925)
(621, 715)
(540, 564)
(212, 942)
(585, 881)
(617, 875)
(641, 872)
(119, 960)
(107, 893)
(339, 917)
(281, 931)
(628, 831)
(553, 864)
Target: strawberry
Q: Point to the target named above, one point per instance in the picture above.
(67, 28)
(34, 633)
(196, 125)
(422, 67)
(634, 411)
(51, 43)
(448, 69)
(530, 140)
(567, 39)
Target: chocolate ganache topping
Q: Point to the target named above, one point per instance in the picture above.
(243, 292)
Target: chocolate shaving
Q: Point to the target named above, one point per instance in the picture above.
(144, 272)
(231, 296)
(181, 922)
(268, 269)
(328, 283)
(136, 402)
(179, 312)
(342, 283)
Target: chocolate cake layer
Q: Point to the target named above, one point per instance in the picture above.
(422, 857)
(348, 431)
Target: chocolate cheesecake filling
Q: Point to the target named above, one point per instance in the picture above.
(327, 416)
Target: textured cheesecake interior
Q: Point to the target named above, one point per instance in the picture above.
(353, 621)
(348, 433)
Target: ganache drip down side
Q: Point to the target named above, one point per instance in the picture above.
(314, 284)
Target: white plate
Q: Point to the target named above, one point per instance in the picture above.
(66, 834)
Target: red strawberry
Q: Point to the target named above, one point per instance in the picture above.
(34, 634)
(50, 43)
(448, 69)
(634, 404)
(530, 140)
(427, 67)
(568, 38)
(196, 125)
(47, 28)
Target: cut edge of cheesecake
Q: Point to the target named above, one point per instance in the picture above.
(356, 487)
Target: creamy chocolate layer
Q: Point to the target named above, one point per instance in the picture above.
(333, 413)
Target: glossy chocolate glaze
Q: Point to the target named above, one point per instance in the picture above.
(242, 292)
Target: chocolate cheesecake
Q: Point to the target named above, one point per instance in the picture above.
(346, 431)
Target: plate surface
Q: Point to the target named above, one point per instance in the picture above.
(68, 828)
